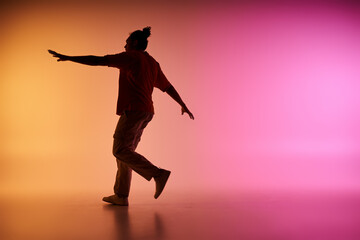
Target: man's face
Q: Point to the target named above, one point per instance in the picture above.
(130, 45)
(127, 45)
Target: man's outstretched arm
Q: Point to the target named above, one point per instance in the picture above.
(175, 95)
(87, 60)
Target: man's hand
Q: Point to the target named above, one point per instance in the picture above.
(186, 110)
(175, 95)
(58, 55)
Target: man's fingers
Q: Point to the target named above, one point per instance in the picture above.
(55, 54)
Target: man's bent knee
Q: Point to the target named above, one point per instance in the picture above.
(122, 152)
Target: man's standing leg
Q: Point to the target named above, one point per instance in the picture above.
(124, 173)
(122, 137)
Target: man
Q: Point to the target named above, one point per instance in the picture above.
(139, 74)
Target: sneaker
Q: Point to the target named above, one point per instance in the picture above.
(160, 181)
(114, 199)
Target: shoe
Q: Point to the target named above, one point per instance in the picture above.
(114, 199)
(160, 181)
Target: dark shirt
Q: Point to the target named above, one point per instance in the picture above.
(139, 74)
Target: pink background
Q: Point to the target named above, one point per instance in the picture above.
(274, 87)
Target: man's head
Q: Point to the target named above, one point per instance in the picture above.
(138, 40)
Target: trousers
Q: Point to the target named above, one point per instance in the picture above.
(126, 138)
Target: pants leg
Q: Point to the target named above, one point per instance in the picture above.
(126, 138)
(123, 179)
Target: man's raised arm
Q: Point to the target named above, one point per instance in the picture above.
(87, 60)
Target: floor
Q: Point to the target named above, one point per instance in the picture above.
(198, 216)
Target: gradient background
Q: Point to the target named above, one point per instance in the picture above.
(274, 87)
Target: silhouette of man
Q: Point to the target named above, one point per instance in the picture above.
(139, 74)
